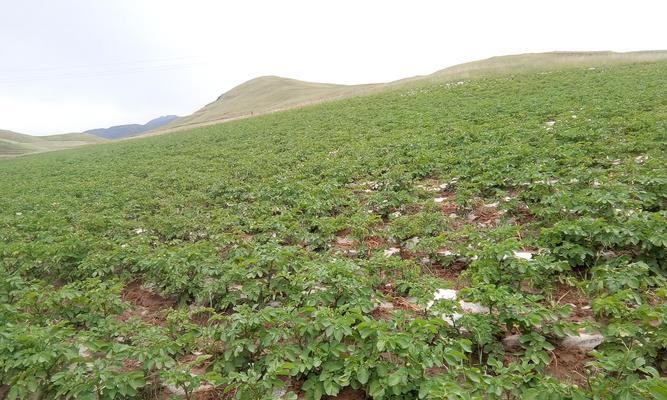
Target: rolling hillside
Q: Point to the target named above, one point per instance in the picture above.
(270, 93)
(488, 238)
(123, 131)
(15, 144)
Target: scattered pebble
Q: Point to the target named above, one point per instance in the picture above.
(391, 251)
(466, 307)
(524, 255)
(512, 342)
(583, 341)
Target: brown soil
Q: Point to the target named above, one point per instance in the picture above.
(374, 243)
(523, 216)
(568, 365)
(150, 307)
(450, 272)
(582, 311)
(343, 242)
(347, 394)
(486, 216)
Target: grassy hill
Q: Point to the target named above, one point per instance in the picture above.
(271, 93)
(318, 251)
(15, 144)
(129, 130)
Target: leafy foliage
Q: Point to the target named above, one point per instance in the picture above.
(296, 253)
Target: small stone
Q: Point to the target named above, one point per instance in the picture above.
(84, 351)
(344, 241)
(524, 255)
(439, 199)
(473, 308)
(583, 341)
(391, 251)
(512, 342)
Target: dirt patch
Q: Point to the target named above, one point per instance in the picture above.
(523, 216)
(347, 394)
(485, 215)
(374, 243)
(449, 208)
(450, 272)
(343, 242)
(569, 365)
(148, 306)
(582, 310)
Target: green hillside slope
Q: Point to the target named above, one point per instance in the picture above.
(310, 252)
(14, 144)
(270, 93)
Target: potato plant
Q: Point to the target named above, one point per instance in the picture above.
(296, 255)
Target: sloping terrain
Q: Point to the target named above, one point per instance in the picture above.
(15, 144)
(263, 95)
(270, 93)
(495, 238)
(123, 131)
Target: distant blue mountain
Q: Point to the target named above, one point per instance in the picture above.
(123, 131)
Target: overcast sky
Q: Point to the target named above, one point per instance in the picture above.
(72, 65)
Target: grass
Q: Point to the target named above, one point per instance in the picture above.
(259, 253)
(270, 94)
(15, 144)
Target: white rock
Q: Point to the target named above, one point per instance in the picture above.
(473, 308)
(445, 294)
(466, 307)
(439, 199)
(84, 351)
(139, 231)
(512, 342)
(445, 253)
(491, 205)
(344, 241)
(551, 123)
(19, 214)
(235, 288)
(413, 241)
(391, 251)
(180, 392)
(583, 341)
(524, 255)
